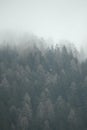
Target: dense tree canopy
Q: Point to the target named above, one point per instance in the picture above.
(42, 89)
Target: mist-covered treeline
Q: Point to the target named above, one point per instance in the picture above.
(42, 89)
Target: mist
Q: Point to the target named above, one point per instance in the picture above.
(43, 65)
(54, 19)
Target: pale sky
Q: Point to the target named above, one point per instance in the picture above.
(56, 19)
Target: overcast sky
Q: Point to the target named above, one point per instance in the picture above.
(57, 19)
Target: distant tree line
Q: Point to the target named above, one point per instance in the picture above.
(42, 89)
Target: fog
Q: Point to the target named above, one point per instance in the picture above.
(50, 19)
(54, 21)
(43, 65)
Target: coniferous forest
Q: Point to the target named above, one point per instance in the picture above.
(42, 88)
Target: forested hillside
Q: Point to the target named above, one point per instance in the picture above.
(42, 89)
